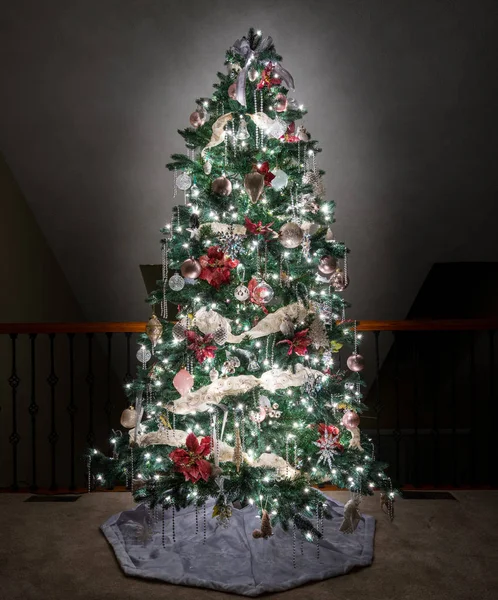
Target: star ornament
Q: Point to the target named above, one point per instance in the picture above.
(328, 446)
(195, 233)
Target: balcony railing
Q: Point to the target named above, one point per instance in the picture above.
(431, 394)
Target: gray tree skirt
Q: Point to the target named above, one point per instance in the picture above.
(231, 560)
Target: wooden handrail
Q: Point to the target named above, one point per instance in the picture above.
(139, 326)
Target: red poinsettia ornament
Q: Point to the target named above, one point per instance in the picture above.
(264, 169)
(200, 345)
(257, 228)
(298, 344)
(289, 135)
(191, 462)
(216, 267)
(266, 78)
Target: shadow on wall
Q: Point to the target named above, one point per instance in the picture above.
(425, 407)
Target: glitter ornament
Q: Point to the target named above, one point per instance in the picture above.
(208, 167)
(220, 336)
(143, 354)
(253, 366)
(263, 293)
(232, 91)
(183, 382)
(356, 363)
(339, 281)
(253, 74)
(222, 186)
(191, 268)
(327, 264)
(280, 180)
(154, 330)
(290, 235)
(254, 184)
(180, 330)
(176, 282)
(314, 179)
(197, 119)
(350, 420)
(242, 293)
(183, 181)
(129, 417)
(280, 104)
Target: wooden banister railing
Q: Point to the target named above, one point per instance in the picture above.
(139, 326)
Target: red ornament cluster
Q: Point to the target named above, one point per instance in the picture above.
(216, 267)
(191, 462)
(257, 228)
(332, 434)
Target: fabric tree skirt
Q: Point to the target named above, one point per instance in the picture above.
(230, 559)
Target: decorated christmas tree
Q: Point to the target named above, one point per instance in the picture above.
(241, 401)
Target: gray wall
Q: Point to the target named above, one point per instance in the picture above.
(402, 96)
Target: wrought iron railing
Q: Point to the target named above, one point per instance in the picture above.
(431, 397)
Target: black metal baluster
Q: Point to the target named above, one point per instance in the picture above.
(90, 380)
(71, 409)
(473, 412)
(435, 382)
(378, 405)
(128, 378)
(397, 431)
(491, 400)
(14, 437)
(53, 437)
(33, 411)
(454, 447)
(109, 405)
(416, 448)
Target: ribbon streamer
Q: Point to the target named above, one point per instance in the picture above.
(243, 48)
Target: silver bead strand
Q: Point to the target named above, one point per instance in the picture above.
(89, 474)
(294, 544)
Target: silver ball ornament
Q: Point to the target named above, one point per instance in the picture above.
(356, 362)
(290, 235)
(263, 293)
(338, 280)
(176, 282)
(242, 293)
(129, 417)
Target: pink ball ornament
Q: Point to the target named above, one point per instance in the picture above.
(183, 382)
(350, 419)
(197, 119)
(232, 91)
(190, 268)
(280, 104)
(356, 362)
(258, 416)
(327, 265)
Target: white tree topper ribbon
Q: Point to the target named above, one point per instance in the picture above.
(243, 48)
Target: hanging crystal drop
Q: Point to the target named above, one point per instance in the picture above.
(183, 181)
(243, 133)
(176, 282)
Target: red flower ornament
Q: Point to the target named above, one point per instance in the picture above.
(289, 135)
(266, 79)
(201, 345)
(264, 169)
(216, 267)
(257, 228)
(298, 344)
(191, 462)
